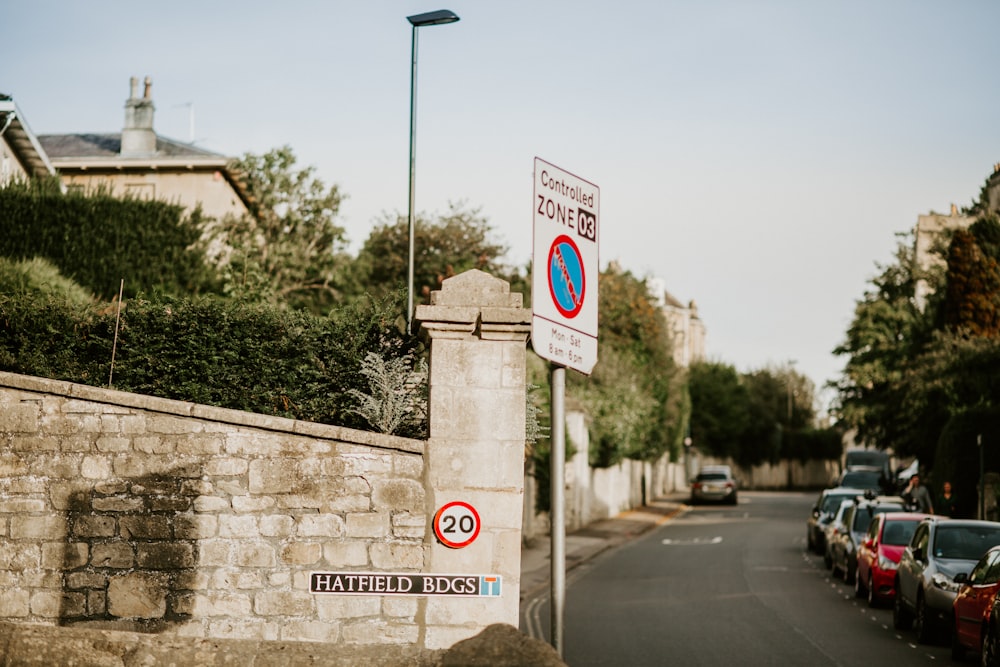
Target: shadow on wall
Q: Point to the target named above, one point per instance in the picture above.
(130, 553)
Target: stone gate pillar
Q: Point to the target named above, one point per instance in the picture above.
(477, 332)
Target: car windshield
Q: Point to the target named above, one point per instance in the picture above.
(832, 502)
(863, 517)
(898, 533)
(965, 542)
(861, 478)
(875, 459)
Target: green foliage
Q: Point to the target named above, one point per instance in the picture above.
(972, 294)
(231, 354)
(957, 458)
(720, 408)
(635, 397)
(98, 240)
(290, 250)
(444, 246)
(398, 392)
(41, 278)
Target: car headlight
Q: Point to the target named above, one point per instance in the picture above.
(886, 564)
(945, 583)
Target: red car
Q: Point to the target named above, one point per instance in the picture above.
(973, 603)
(879, 554)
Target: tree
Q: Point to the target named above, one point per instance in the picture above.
(444, 246)
(290, 250)
(720, 408)
(972, 296)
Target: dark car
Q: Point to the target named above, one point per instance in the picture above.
(973, 604)
(925, 580)
(990, 656)
(870, 459)
(714, 484)
(834, 529)
(845, 544)
(879, 554)
(868, 479)
(822, 514)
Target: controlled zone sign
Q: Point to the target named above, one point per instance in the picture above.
(565, 267)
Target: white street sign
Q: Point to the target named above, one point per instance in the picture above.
(565, 268)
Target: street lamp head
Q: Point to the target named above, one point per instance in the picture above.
(440, 17)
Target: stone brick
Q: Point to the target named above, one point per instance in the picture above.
(237, 580)
(63, 556)
(298, 501)
(138, 595)
(399, 607)
(34, 443)
(237, 526)
(409, 525)
(83, 443)
(92, 525)
(73, 604)
(396, 556)
(80, 580)
(320, 525)
(273, 476)
(164, 555)
(97, 603)
(117, 555)
(145, 527)
(37, 527)
(14, 603)
(19, 418)
(19, 557)
(277, 525)
(253, 503)
(211, 504)
(12, 465)
(214, 553)
(283, 603)
(226, 467)
(111, 443)
(21, 505)
(201, 444)
(346, 554)
(215, 603)
(95, 467)
(153, 444)
(409, 466)
(301, 553)
(345, 504)
(119, 504)
(255, 555)
(370, 524)
(195, 526)
(338, 607)
(398, 495)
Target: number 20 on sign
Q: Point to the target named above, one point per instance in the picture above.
(457, 524)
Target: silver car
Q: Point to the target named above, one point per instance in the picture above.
(925, 580)
(714, 483)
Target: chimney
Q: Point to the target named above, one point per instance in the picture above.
(954, 210)
(138, 137)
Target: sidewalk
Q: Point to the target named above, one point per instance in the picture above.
(586, 543)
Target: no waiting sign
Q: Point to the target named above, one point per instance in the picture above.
(565, 267)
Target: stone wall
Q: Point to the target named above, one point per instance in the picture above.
(126, 512)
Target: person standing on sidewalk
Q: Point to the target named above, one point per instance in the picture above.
(946, 502)
(917, 494)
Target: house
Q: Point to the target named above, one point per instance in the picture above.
(21, 155)
(686, 327)
(140, 163)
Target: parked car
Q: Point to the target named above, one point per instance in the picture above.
(925, 580)
(857, 519)
(973, 603)
(863, 478)
(869, 459)
(879, 554)
(822, 514)
(835, 528)
(990, 656)
(714, 484)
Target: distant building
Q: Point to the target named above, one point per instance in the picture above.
(932, 232)
(687, 329)
(139, 163)
(21, 155)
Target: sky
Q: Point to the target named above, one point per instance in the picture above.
(760, 157)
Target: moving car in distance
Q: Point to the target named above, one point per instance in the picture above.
(867, 479)
(973, 604)
(925, 580)
(714, 484)
(879, 554)
(822, 514)
(844, 548)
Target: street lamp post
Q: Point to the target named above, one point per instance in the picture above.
(439, 17)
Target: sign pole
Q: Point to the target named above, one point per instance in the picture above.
(557, 503)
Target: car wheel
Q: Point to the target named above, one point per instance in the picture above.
(870, 590)
(922, 622)
(902, 619)
(848, 573)
(859, 586)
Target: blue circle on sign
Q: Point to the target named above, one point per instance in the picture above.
(567, 282)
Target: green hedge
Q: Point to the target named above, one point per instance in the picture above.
(99, 240)
(206, 350)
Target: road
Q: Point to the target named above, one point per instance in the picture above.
(725, 586)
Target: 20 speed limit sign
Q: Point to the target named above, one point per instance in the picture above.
(457, 524)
